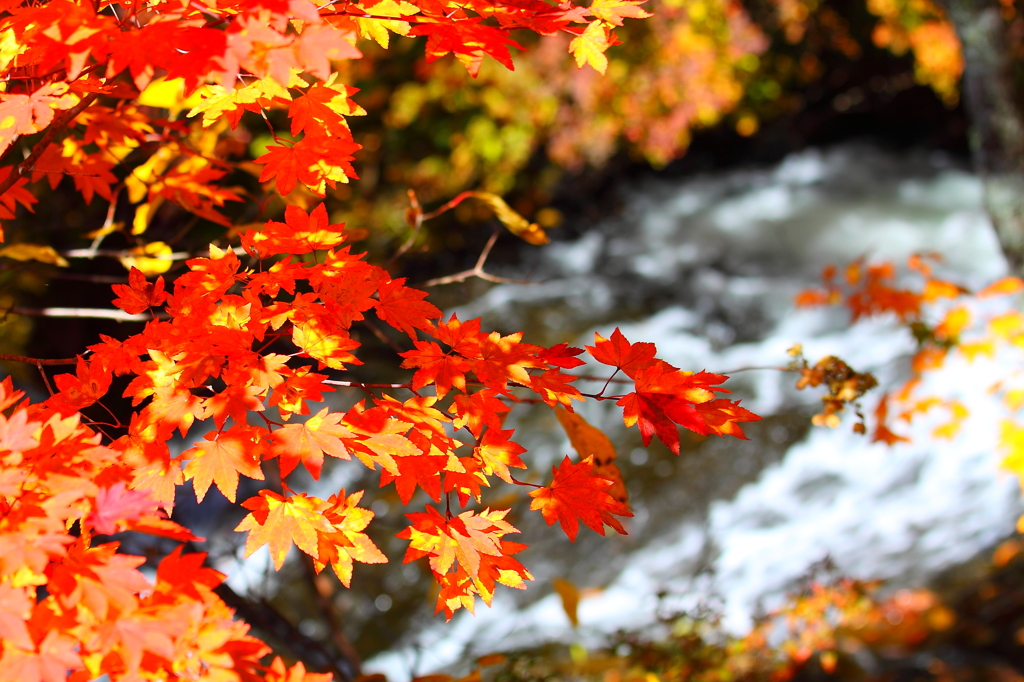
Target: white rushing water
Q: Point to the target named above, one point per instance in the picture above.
(703, 262)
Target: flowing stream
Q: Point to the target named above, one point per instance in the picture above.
(707, 268)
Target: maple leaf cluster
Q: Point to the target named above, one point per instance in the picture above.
(240, 351)
(215, 359)
(93, 72)
(667, 397)
(100, 614)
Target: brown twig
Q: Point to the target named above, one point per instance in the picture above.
(751, 369)
(37, 361)
(526, 483)
(382, 337)
(416, 211)
(476, 271)
(96, 279)
(612, 379)
(46, 379)
(322, 588)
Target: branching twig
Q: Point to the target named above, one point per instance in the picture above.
(82, 277)
(261, 614)
(518, 482)
(382, 337)
(476, 271)
(416, 211)
(751, 369)
(611, 379)
(320, 584)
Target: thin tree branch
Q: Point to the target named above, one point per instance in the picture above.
(476, 271)
(37, 361)
(322, 587)
(262, 615)
(417, 222)
(612, 379)
(752, 369)
(526, 483)
(97, 279)
(46, 379)
(382, 337)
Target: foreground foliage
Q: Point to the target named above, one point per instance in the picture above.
(264, 327)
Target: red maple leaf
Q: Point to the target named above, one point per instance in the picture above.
(666, 397)
(139, 295)
(620, 353)
(404, 308)
(443, 370)
(89, 383)
(578, 494)
(478, 410)
(305, 161)
(317, 110)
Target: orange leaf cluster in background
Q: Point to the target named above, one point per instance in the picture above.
(944, 318)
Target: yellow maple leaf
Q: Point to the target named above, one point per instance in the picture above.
(518, 225)
(223, 456)
(218, 100)
(589, 46)
(377, 29)
(280, 521)
(43, 254)
(614, 11)
(152, 259)
(168, 94)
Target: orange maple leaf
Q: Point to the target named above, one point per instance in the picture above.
(346, 542)
(280, 521)
(444, 370)
(463, 538)
(219, 460)
(89, 383)
(620, 353)
(139, 295)
(404, 308)
(497, 453)
(578, 494)
(307, 442)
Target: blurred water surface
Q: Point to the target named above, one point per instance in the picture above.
(707, 268)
